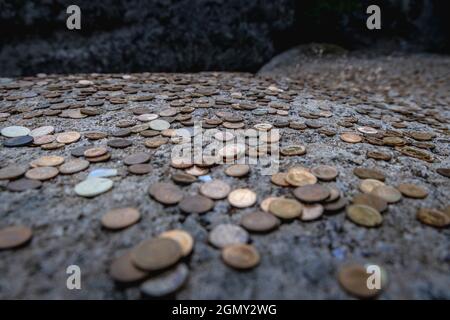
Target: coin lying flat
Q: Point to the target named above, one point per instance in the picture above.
(298, 177)
(159, 125)
(412, 191)
(286, 208)
(137, 158)
(47, 161)
(156, 254)
(366, 173)
(371, 200)
(74, 166)
(12, 172)
(335, 206)
(241, 256)
(166, 193)
(23, 185)
(183, 238)
(68, 137)
(95, 152)
(18, 142)
(92, 187)
(123, 270)
(183, 178)
(119, 143)
(293, 150)
(42, 131)
(444, 172)
(311, 212)
(167, 282)
(324, 172)
(259, 221)
(141, 168)
(242, 198)
(120, 218)
(42, 173)
(14, 236)
(368, 185)
(237, 170)
(354, 278)
(364, 215)
(215, 189)
(433, 217)
(351, 137)
(227, 234)
(15, 131)
(279, 179)
(311, 193)
(388, 193)
(196, 204)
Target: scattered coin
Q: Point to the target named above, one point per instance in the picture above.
(293, 150)
(371, 200)
(364, 215)
(183, 178)
(240, 256)
(366, 173)
(354, 278)
(279, 179)
(311, 212)
(227, 234)
(367, 130)
(311, 193)
(47, 161)
(120, 218)
(18, 142)
(388, 193)
(68, 137)
(15, 131)
(335, 206)
(103, 173)
(351, 137)
(324, 172)
(183, 238)
(23, 185)
(237, 170)
(74, 166)
(215, 189)
(412, 191)
(92, 187)
(368, 185)
(123, 270)
(444, 172)
(141, 168)
(166, 193)
(286, 208)
(167, 282)
(119, 143)
(159, 125)
(12, 172)
(259, 221)
(298, 177)
(42, 173)
(433, 217)
(14, 236)
(46, 139)
(242, 198)
(137, 158)
(196, 204)
(42, 131)
(156, 254)
(95, 152)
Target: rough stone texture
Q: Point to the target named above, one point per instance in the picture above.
(299, 260)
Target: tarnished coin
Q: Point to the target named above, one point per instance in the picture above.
(95, 152)
(120, 218)
(159, 125)
(141, 168)
(265, 204)
(123, 270)
(156, 254)
(12, 172)
(368, 185)
(74, 166)
(102, 158)
(242, 198)
(388, 193)
(366, 173)
(351, 137)
(279, 179)
(95, 135)
(293, 150)
(46, 139)
(166, 193)
(335, 206)
(259, 221)
(232, 151)
(298, 176)
(215, 189)
(23, 185)
(433, 217)
(412, 191)
(197, 171)
(147, 117)
(286, 208)
(119, 143)
(324, 172)
(137, 158)
(167, 282)
(311, 193)
(444, 172)
(42, 131)
(311, 212)
(183, 178)
(183, 238)
(14, 236)
(18, 142)
(15, 131)
(371, 200)
(241, 256)
(227, 234)
(364, 215)
(155, 142)
(79, 151)
(367, 130)
(354, 278)
(237, 170)
(47, 161)
(42, 173)
(68, 137)
(92, 187)
(196, 204)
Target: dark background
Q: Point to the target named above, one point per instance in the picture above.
(197, 35)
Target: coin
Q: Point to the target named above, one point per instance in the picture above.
(23, 185)
(95, 152)
(119, 143)
(156, 254)
(159, 125)
(12, 172)
(354, 278)
(137, 158)
(147, 117)
(298, 177)
(242, 198)
(371, 200)
(167, 282)
(197, 171)
(183, 238)
(155, 142)
(40, 140)
(141, 168)
(324, 172)
(79, 151)
(215, 189)
(183, 178)
(368, 185)
(311, 193)
(227, 234)
(15, 131)
(259, 221)
(367, 130)
(286, 208)
(196, 204)
(42, 173)
(123, 270)
(351, 137)
(241, 256)
(74, 166)
(433, 217)
(14, 236)
(266, 203)
(444, 172)
(120, 218)
(42, 131)
(47, 161)
(293, 150)
(364, 215)
(388, 193)
(237, 170)
(366, 173)
(166, 193)
(18, 142)
(68, 137)
(279, 179)
(335, 206)
(412, 191)
(93, 186)
(311, 212)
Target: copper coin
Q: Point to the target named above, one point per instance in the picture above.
(119, 143)
(23, 185)
(47, 161)
(215, 189)
(279, 179)
(40, 140)
(74, 166)
(293, 150)
(155, 142)
(102, 158)
(12, 172)
(167, 282)
(120, 218)
(335, 206)
(42, 173)
(444, 172)
(183, 238)
(388, 193)
(364, 215)
(156, 254)
(95, 152)
(311, 193)
(166, 193)
(142, 168)
(366, 173)
(123, 270)
(241, 256)
(298, 176)
(79, 151)
(286, 208)
(379, 155)
(137, 158)
(371, 200)
(196, 204)
(242, 198)
(351, 137)
(197, 171)
(433, 217)
(237, 170)
(335, 194)
(354, 278)
(412, 191)
(68, 137)
(183, 178)
(368, 185)
(324, 172)
(259, 221)
(95, 135)
(14, 236)
(311, 212)
(227, 234)
(265, 204)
